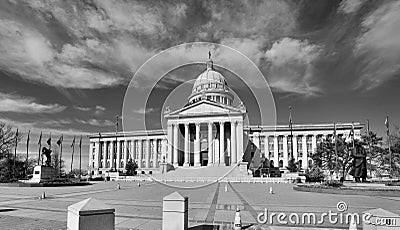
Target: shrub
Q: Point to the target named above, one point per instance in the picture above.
(333, 183)
(314, 174)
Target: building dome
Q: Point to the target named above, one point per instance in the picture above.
(211, 85)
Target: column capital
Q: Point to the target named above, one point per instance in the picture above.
(221, 122)
(210, 124)
(197, 124)
(170, 124)
(239, 122)
(186, 124)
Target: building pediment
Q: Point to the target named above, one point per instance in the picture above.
(205, 108)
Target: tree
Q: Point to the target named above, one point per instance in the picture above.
(7, 140)
(55, 162)
(327, 158)
(131, 167)
(374, 149)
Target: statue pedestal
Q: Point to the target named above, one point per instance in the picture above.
(42, 173)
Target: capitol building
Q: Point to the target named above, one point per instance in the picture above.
(209, 131)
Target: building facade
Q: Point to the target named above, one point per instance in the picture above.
(209, 131)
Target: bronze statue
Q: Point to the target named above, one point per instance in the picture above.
(47, 153)
(359, 164)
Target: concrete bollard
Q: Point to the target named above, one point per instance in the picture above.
(175, 212)
(118, 186)
(90, 214)
(237, 225)
(271, 191)
(43, 195)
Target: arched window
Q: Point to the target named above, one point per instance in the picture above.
(280, 163)
(271, 163)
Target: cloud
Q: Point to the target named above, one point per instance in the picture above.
(81, 108)
(290, 66)
(16, 103)
(96, 122)
(144, 111)
(350, 6)
(378, 46)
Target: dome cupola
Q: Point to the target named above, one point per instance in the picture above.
(211, 85)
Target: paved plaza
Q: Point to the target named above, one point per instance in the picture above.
(141, 207)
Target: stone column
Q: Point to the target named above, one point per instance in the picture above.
(98, 155)
(239, 138)
(186, 161)
(169, 144)
(164, 151)
(175, 157)
(105, 154)
(118, 163)
(210, 145)
(221, 143)
(127, 151)
(294, 140)
(233, 143)
(276, 152)
(112, 155)
(314, 143)
(285, 151)
(197, 146)
(148, 153)
(305, 161)
(155, 156)
(140, 158)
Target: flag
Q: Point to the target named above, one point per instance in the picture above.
(16, 134)
(49, 140)
(80, 142)
(73, 142)
(209, 54)
(40, 139)
(116, 125)
(59, 142)
(387, 124)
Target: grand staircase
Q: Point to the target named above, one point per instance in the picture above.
(204, 174)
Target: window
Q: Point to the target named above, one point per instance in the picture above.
(158, 145)
(136, 149)
(280, 163)
(109, 150)
(271, 144)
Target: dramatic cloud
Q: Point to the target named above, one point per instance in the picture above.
(379, 47)
(350, 6)
(291, 66)
(95, 122)
(15, 103)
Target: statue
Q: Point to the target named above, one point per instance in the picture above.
(359, 164)
(47, 153)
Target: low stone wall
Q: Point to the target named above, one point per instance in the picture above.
(349, 190)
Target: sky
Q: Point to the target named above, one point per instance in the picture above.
(65, 66)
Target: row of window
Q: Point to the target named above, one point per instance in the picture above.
(298, 142)
(155, 147)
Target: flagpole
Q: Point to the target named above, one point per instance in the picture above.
(291, 132)
(73, 151)
(27, 153)
(15, 150)
(80, 157)
(390, 150)
(40, 146)
(336, 153)
(369, 149)
(116, 146)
